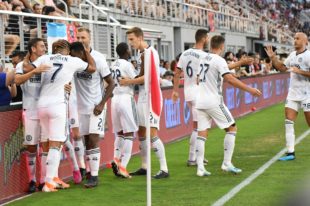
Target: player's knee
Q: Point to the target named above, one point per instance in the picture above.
(154, 132)
(232, 128)
(203, 133)
(32, 148)
(92, 141)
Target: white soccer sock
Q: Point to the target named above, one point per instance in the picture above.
(80, 152)
(127, 148)
(143, 153)
(192, 146)
(93, 157)
(160, 153)
(70, 150)
(43, 166)
(290, 136)
(31, 160)
(118, 145)
(52, 164)
(229, 145)
(200, 152)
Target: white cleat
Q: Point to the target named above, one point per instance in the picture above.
(203, 173)
(231, 168)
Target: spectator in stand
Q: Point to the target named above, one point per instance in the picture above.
(16, 57)
(7, 87)
(162, 68)
(167, 79)
(37, 8)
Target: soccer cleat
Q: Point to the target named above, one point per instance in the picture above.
(48, 187)
(231, 169)
(194, 163)
(203, 173)
(87, 175)
(288, 157)
(91, 182)
(161, 174)
(83, 173)
(77, 178)
(32, 186)
(138, 172)
(60, 184)
(115, 168)
(40, 187)
(123, 172)
(191, 163)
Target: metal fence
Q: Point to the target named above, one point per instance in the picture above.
(17, 28)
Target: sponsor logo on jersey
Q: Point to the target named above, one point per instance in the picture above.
(36, 78)
(84, 75)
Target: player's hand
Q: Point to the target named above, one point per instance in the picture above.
(255, 92)
(294, 69)
(245, 60)
(270, 51)
(98, 109)
(41, 68)
(124, 81)
(175, 96)
(68, 88)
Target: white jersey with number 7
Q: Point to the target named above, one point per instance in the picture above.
(61, 72)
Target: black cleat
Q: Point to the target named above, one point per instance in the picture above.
(115, 169)
(140, 171)
(32, 186)
(87, 176)
(40, 187)
(83, 173)
(161, 174)
(92, 182)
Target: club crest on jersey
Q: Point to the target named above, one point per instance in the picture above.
(28, 138)
(300, 59)
(84, 75)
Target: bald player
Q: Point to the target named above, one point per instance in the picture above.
(298, 63)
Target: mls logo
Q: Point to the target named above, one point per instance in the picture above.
(72, 121)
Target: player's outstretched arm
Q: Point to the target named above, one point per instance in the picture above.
(275, 61)
(243, 61)
(237, 83)
(22, 78)
(299, 71)
(127, 81)
(176, 84)
(91, 63)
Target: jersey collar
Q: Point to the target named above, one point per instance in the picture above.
(301, 52)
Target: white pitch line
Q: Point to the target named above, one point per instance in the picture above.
(258, 172)
(20, 198)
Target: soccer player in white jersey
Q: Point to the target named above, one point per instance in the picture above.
(189, 62)
(210, 104)
(298, 63)
(123, 108)
(91, 99)
(136, 40)
(30, 83)
(52, 107)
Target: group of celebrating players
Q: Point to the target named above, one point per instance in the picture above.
(65, 95)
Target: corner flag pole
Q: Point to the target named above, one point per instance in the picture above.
(147, 81)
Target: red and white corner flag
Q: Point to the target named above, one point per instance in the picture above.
(154, 104)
